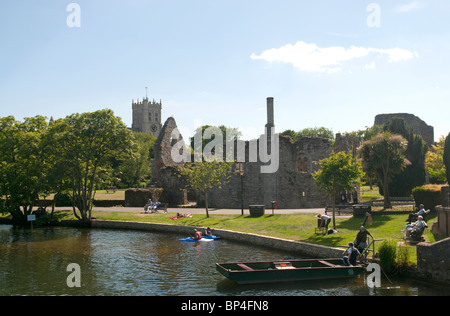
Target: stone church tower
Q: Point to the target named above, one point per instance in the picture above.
(147, 116)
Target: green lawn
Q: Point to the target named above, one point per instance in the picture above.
(369, 195)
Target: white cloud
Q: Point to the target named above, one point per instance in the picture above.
(370, 66)
(312, 58)
(415, 5)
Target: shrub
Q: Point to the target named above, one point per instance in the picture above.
(402, 259)
(108, 203)
(63, 199)
(388, 255)
(429, 195)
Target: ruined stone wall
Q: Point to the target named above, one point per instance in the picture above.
(419, 127)
(433, 261)
(443, 223)
(292, 186)
(164, 168)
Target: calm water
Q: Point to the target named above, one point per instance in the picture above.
(115, 262)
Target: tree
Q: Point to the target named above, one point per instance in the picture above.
(434, 162)
(85, 144)
(446, 157)
(137, 167)
(413, 174)
(206, 175)
(310, 132)
(23, 165)
(338, 172)
(384, 153)
(227, 134)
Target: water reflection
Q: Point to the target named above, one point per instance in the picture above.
(115, 262)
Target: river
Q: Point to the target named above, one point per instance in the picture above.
(133, 263)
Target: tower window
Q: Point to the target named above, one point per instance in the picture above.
(149, 116)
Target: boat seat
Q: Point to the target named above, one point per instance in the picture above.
(327, 263)
(283, 265)
(244, 266)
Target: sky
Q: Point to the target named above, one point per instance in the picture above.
(327, 63)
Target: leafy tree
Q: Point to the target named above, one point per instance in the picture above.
(23, 165)
(85, 145)
(206, 175)
(446, 157)
(414, 173)
(228, 134)
(137, 167)
(384, 153)
(310, 132)
(338, 172)
(434, 162)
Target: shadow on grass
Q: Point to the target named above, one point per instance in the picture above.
(354, 223)
(327, 240)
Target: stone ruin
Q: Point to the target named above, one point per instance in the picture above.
(418, 126)
(292, 185)
(139, 197)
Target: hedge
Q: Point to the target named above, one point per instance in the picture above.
(429, 195)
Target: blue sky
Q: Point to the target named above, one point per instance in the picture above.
(331, 63)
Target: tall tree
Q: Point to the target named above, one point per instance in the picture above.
(137, 167)
(385, 153)
(207, 134)
(414, 173)
(338, 172)
(434, 162)
(446, 157)
(86, 144)
(23, 164)
(206, 175)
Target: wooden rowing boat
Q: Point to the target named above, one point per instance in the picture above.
(287, 270)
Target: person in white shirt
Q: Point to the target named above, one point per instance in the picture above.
(325, 219)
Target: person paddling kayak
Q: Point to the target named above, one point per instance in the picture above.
(197, 235)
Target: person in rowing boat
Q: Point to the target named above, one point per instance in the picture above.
(197, 235)
(209, 231)
(353, 254)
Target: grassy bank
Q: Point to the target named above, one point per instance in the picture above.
(298, 227)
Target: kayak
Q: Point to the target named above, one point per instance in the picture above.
(211, 237)
(192, 239)
(204, 238)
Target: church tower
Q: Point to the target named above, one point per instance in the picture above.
(147, 116)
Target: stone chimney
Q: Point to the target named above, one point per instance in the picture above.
(270, 118)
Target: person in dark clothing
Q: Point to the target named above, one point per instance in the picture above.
(353, 254)
(360, 241)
